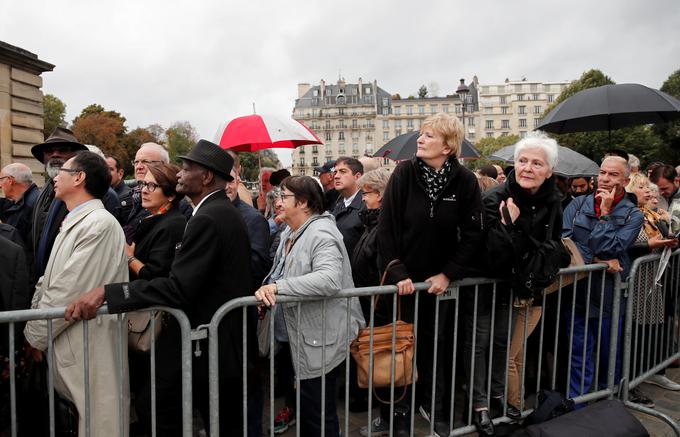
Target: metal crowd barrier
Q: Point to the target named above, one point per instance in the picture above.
(652, 336)
(473, 289)
(14, 317)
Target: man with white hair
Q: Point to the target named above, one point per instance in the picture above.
(16, 181)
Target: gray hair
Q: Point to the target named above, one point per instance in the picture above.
(376, 179)
(20, 172)
(158, 148)
(633, 161)
(626, 166)
(96, 150)
(538, 139)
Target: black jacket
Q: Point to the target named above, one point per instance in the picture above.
(258, 234)
(20, 214)
(533, 220)
(430, 237)
(155, 242)
(348, 221)
(211, 267)
(14, 291)
(365, 257)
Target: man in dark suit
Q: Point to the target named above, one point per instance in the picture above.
(350, 202)
(211, 267)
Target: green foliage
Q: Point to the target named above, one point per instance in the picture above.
(422, 92)
(54, 114)
(487, 146)
(669, 133)
(181, 137)
(250, 164)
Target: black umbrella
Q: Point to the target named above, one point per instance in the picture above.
(570, 164)
(610, 107)
(404, 147)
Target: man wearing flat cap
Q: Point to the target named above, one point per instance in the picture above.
(48, 213)
(211, 267)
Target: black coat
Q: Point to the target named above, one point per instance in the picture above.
(14, 291)
(533, 220)
(20, 214)
(258, 234)
(365, 257)
(348, 221)
(430, 238)
(155, 242)
(211, 267)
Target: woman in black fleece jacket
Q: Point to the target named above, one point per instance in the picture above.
(431, 221)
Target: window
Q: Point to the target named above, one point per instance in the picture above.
(341, 111)
(341, 136)
(523, 122)
(551, 98)
(302, 161)
(385, 101)
(504, 109)
(522, 134)
(488, 109)
(504, 134)
(503, 100)
(315, 149)
(409, 109)
(342, 124)
(369, 148)
(397, 110)
(386, 136)
(355, 148)
(457, 109)
(505, 124)
(315, 93)
(421, 109)
(433, 109)
(315, 161)
(341, 149)
(328, 124)
(409, 123)
(445, 107)
(489, 134)
(537, 109)
(367, 90)
(522, 110)
(489, 124)
(520, 97)
(355, 124)
(386, 124)
(397, 132)
(536, 96)
(385, 110)
(397, 124)
(536, 122)
(328, 136)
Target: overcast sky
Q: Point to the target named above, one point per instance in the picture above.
(208, 61)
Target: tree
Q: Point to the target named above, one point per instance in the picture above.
(422, 92)
(250, 164)
(102, 131)
(487, 146)
(181, 137)
(639, 140)
(669, 133)
(54, 114)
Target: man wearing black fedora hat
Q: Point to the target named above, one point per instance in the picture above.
(48, 214)
(211, 267)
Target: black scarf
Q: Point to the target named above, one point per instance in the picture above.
(434, 180)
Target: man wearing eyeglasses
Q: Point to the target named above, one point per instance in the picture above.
(16, 181)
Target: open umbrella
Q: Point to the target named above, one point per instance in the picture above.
(404, 147)
(256, 132)
(569, 163)
(611, 107)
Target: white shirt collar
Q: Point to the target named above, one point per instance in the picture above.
(348, 201)
(201, 202)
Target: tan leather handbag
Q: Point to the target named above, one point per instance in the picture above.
(404, 345)
(576, 261)
(139, 330)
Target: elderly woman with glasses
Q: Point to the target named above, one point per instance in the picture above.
(312, 261)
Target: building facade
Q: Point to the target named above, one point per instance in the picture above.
(21, 106)
(358, 119)
(515, 107)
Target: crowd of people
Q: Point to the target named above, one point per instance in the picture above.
(194, 237)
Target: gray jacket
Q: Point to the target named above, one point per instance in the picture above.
(317, 265)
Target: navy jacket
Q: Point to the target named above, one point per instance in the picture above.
(348, 221)
(258, 234)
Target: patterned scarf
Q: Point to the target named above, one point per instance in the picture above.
(434, 180)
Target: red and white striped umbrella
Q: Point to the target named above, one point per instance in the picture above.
(256, 132)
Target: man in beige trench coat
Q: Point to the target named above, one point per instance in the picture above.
(88, 251)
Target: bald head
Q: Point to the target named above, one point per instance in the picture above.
(149, 153)
(15, 179)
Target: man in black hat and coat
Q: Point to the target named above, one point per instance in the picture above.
(211, 267)
(48, 214)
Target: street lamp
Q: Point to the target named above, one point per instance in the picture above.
(462, 92)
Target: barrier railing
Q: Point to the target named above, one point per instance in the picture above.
(652, 337)
(12, 318)
(575, 329)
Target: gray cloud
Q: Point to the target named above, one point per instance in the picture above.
(208, 61)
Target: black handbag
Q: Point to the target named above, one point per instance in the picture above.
(538, 267)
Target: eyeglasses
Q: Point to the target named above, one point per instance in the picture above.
(70, 170)
(150, 186)
(365, 192)
(144, 162)
(2, 178)
(284, 195)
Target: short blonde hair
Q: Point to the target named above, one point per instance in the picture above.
(450, 127)
(636, 178)
(375, 179)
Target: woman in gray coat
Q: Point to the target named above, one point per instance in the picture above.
(311, 261)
